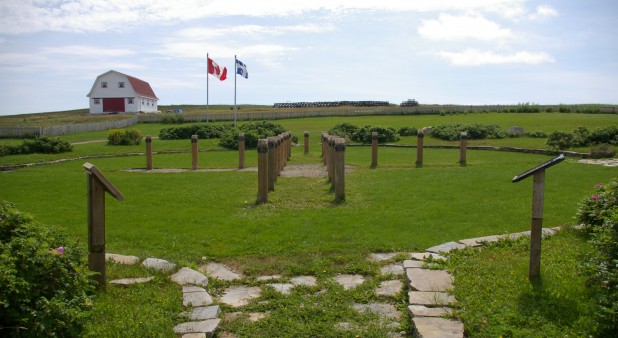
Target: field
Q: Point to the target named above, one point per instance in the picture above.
(190, 217)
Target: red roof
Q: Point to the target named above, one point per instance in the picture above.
(142, 88)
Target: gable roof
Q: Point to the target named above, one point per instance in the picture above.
(141, 87)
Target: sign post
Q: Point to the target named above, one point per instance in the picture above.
(536, 226)
(98, 185)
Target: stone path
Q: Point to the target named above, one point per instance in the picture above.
(429, 291)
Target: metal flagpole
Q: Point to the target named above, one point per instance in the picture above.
(207, 72)
(235, 91)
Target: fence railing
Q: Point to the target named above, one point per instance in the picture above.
(22, 132)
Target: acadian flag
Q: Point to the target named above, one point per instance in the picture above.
(241, 69)
(214, 69)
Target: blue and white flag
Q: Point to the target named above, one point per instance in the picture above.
(241, 69)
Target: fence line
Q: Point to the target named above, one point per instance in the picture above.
(21, 132)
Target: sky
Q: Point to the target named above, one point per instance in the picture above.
(437, 52)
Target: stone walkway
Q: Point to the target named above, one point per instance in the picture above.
(429, 297)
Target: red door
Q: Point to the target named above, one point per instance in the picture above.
(113, 105)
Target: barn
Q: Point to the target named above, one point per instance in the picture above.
(115, 92)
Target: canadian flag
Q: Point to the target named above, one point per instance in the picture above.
(214, 69)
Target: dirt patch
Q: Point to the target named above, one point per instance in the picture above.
(608, 162)
(299, 170)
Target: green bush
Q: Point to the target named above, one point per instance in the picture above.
(407, 131)
(599, 215)
(580, 137)
(385, 134)
(602, 151)
(607, 135)
(124, 137)
(173, 119)
(203, 131)
(41, 145)
(537, 134)
(559, 140)
(345, 130)
(452, 131)
(45, 281)
(253, 132)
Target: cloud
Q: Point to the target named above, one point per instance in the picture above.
(543, 12)
(204, 33)
(462, 27)
(473, 57)
(89, 51)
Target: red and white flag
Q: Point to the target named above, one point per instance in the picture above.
(214, 69)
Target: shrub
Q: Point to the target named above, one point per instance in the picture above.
(345, 130)
(385, 134)
(602, 151)
(607, 135)
(452, 131)
(537, 134)
(124, 137)
(407, 131)
(206, 131)
(253, 132)
(46, 284)
(559, 140)
(580, 137)
(599, 214)
(41, 145)
(173, 119)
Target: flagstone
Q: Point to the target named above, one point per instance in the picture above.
(238, 296)
(431, 327)
(429, 298)
(378, 257)
(121, 259)
(202, 313)
(186, 276)
(255, 316)
(424, 311)
(304, 280)
(220, 272)
(383, 310)
(129, 281)
(429, 280)
(389, 288)
(269, 277)
(421, 256)
(159, 264)
(408, 264)
(205, 326)
(349, 281)
(393, 269)
(196, 297)
(446, 247)
(284, 288)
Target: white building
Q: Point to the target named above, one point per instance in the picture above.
(114, 92)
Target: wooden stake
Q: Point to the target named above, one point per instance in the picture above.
(306, 142)
(339, 170)
(194, 152)
(374, 149)
(536, 226)
(262, 149)
(272, 163)
(241, 151)
(462, 148)
(148, 152)
(419, 149)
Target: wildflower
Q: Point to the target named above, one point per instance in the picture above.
(595, 197)
(60, 250)
(598, 185)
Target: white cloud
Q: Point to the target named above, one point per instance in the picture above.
(543, 12)
(204, 33)
(474, 57)
(89, 51)
(462, 27)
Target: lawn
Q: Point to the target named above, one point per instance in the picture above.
(186, 217)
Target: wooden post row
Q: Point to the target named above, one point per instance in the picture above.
(272, 163)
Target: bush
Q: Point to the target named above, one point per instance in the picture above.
(345, 130)
(124, 137)
(173, 119)
(607, 135)
(206, 131)
(580, 137)
(559, 140)
(253, 132)
(602, 151)
(385, 134)
(41, 145)
(46, 284)
(452, 131)
(407, 131)
(599, 214)
(537, 134)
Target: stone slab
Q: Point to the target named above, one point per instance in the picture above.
(205, 326)
(431, 299)
(389, 288)
(424, 311)
(202, 313)
(421, 256)
(446, 247)
(349, 281)
(410, 264)
(192, 288)
(379, 257)
(283, 288)
(474, 242)
(129, 281)
(121, 259)
(267, 278)
(392, 269)
(255, 316)
(430, 327)
(238, 296)
(220, 272)
(187, 276)
(429, 280)
(158, 264)
(304, 281)
(196, 299)
(383, 310)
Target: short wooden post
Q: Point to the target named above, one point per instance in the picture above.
(262, 149)
(306, 142)
(324, 138)
(241, 151)
(282, 156)
(340, 170)
(536, 224)
(194, 152)
(148, 152)
(272, 163)
(289, 147)
(98, 185)
(462, 148)
(330, 163)
(374, 149)
(419, 149)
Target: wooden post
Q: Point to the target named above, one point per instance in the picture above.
(419, 149)
(339, 170)
(262, 149)
(462, 148)
(148, 152)
(194, 152)
(330, 162)
(280, 153)
(324, 138)
(272, 163)
(374, 149)
(536, 226)
(289, 147)
(241, 150)
(306, 142)
(98, 185)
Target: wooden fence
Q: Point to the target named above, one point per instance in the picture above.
(23, 132)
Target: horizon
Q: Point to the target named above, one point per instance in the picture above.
(468, 52)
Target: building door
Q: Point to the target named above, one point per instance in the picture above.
(113, 105)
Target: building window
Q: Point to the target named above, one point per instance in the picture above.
(97, 101)
(130, 100)
(120, 84)
(103, 84)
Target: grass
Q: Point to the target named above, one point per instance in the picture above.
(396, 207)
(496, 299)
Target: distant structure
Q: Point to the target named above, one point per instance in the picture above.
(409, 103)
(115, 92)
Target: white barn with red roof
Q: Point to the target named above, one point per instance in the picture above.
(115, 92)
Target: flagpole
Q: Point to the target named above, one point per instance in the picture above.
(207, 70)
(235, 91)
